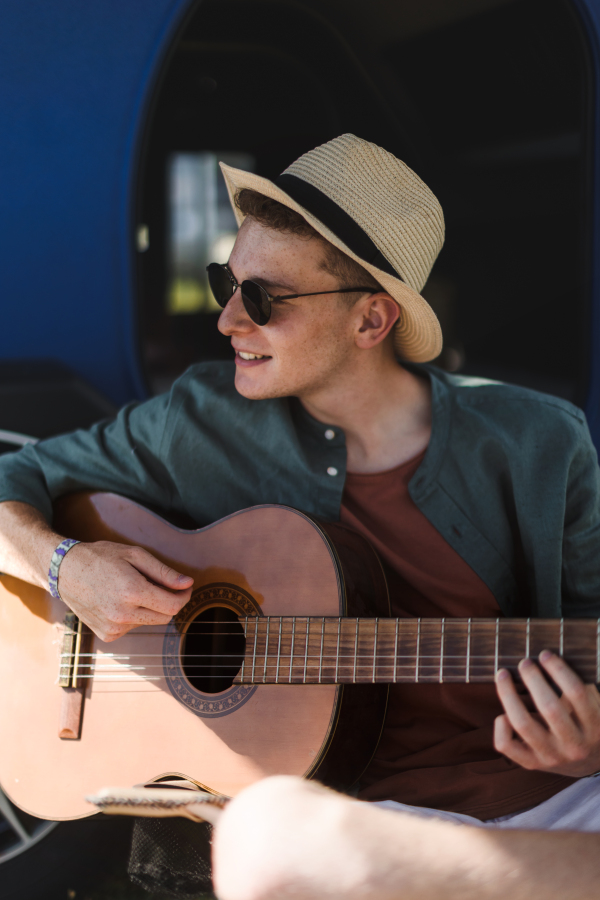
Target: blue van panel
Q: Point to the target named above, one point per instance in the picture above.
(74, 81)
(590, 16)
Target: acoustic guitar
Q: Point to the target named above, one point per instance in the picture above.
(279, 664)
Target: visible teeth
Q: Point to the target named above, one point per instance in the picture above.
(250, 355)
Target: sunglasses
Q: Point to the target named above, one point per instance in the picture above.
(257, 301)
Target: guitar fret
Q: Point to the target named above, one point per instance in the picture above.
(244, 659)
(278, 651)
(418, 651)
(561, 644)
(355, 653)
(337, 655)
(266, 650)
(441, 676)
(375, 649)
(496, 646)
(321, 656)
(527, 638)
(306, 650)
(468, 672)
(396, 654)
(254, 653)
(292, 650)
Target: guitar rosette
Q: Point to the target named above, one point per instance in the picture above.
(210, 596)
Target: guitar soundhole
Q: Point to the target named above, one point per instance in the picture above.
(213, 650)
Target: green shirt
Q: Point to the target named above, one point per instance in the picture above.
(510, 477)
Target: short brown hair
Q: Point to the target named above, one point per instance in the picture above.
(275, 215)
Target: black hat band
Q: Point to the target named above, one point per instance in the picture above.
(336, 220)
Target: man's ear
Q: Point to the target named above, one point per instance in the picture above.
(376, 316)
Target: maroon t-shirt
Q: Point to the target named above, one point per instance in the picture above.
(437, 747)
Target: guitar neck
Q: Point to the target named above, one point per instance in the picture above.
(328, 650)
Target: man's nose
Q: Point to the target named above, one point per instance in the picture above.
(234, 317)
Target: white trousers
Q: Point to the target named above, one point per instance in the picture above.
(576, 808)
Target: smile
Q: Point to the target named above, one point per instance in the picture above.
(245, 359)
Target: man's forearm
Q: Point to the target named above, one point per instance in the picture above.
(425, 860)
(26, 542)
(283, 837)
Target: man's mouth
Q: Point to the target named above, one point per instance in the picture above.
(245, 358)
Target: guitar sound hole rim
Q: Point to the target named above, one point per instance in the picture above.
(204, 705)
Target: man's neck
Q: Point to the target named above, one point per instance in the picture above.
(384, 411)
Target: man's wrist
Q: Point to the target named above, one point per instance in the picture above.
(55, 563)
(45, 544)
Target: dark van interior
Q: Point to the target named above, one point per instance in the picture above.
(485, 99)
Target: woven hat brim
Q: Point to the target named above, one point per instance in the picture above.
(417, 334)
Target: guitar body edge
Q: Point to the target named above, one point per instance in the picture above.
(360, 708)
(134, 729)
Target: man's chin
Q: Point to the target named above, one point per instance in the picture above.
(255, 389)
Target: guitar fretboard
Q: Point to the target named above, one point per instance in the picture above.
(315, 650)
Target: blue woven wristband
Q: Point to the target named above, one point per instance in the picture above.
(57, 557)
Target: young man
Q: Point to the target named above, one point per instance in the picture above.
(481, 499)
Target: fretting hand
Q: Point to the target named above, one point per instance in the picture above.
(114, 588)
(564, 736)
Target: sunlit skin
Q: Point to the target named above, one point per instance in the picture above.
(565, 737)
(309, 343)
(338, 359)
(287, 838)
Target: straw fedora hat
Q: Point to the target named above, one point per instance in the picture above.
(377, 211)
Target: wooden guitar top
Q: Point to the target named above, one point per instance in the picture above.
(142, 719)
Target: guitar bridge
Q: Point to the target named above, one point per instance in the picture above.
(70, 657)
(71, 679)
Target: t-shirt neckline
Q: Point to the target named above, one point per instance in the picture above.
(395, 470)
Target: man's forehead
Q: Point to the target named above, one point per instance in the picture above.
(275, 259)
(253, 234)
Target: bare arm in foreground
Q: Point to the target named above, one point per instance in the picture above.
(287, 838)
(112, 587)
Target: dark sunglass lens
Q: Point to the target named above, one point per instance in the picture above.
(220, 283)
(256, 302)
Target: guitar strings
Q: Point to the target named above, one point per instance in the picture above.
(283, 662)
(403, 624)
(313, 677)
(574, 633)
(273, 655)
(403, 621)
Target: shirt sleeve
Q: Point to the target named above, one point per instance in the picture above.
(581, 541)
(124, 455)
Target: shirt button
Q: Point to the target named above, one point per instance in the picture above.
(332, 470)
(330, 434)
